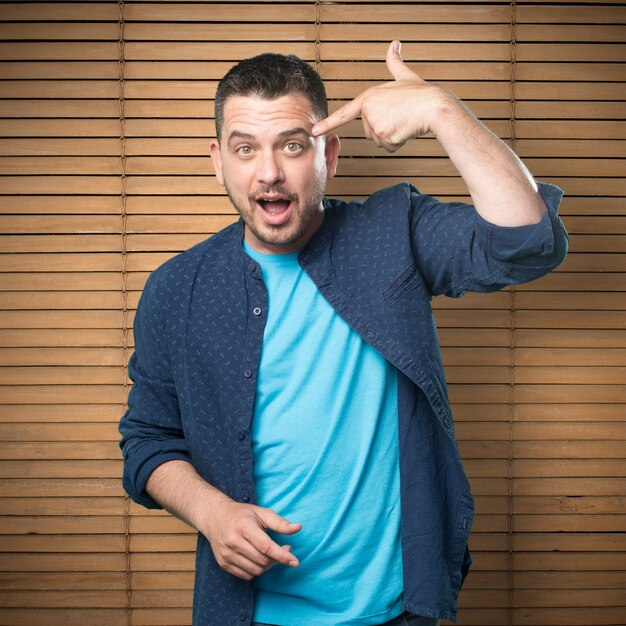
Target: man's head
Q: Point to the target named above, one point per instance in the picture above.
(269, 76)
(274, 170)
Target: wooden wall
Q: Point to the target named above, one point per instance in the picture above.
(107, 113)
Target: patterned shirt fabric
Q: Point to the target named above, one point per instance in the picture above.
(198, 340)
(325, 454)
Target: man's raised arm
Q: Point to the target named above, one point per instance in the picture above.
(503, 191)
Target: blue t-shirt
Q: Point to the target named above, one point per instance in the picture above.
(325, 454)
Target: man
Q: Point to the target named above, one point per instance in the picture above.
(289, 400)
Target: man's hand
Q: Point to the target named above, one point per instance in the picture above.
(236, 531)
(393, 112)
(239, 541)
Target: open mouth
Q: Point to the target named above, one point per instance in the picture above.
(273, 207)
(276, 209)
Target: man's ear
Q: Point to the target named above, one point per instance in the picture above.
(216, 155)
(332, 154)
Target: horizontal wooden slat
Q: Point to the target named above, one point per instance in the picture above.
(62, 412)
(59, 11)
(77, 562)
(387, 166)
(188, 82)
(58, 525)
(98, 488)
(81, 468)
(523, 356)
(570, 32)
(534, 450)
(60, 319)
(59, 394)
(60, 69)
(557, 338)
(60, 300)
(67, 375)
(537, 412)
(525, 71)
(69, 617)
(526, 431)
(50, 32)
(59, 432)
(59, 505)
(570, 15)
(70, 337)
(539, 394)
(64, 580)
(565, 375)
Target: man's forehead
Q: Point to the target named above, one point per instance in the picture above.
(254, 109)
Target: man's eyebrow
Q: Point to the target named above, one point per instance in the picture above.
(294, 131)
(283, 134)
(237, 134)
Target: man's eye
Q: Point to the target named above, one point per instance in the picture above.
(293, 146)
(244, 150)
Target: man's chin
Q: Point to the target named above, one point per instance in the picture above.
(275, 236)
(276, 239)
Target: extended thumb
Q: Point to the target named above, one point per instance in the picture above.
(394, 61)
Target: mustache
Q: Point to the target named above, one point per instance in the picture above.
(274, 191)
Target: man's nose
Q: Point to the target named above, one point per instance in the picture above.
(269, 170)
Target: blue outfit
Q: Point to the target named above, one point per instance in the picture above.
(325, 454)
(199, 334)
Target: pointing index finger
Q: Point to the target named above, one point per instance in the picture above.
(341, 116)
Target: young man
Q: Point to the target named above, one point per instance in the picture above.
(289, 398)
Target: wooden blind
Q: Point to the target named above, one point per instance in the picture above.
(106, 118)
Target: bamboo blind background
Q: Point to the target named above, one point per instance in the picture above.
(107, 112)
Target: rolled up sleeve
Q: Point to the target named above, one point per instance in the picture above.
(546, 239)
(459, 251)
(151, 427)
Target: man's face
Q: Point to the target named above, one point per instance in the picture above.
(274, 171)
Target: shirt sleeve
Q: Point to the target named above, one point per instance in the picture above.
(457, 250)
(151, 428)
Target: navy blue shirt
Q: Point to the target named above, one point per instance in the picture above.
(198, 337)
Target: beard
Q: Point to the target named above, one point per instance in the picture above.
(303, 217)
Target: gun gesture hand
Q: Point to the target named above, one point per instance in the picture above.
(393, 112)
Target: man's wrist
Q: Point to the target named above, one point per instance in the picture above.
(210, 506)
(448, 115)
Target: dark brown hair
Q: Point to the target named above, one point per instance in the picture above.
(270, 76)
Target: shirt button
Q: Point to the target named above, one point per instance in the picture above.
(245, 496)
(241, 435)
(247, 373)
(446, 422)
(256, 310)
(251, 267)
(243, 617)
